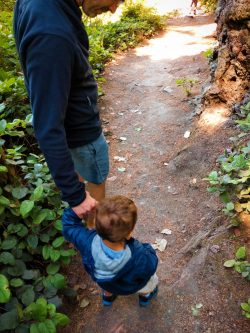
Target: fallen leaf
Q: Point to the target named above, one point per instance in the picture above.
(138, 129)
(112, 179)
(166, 232)
(196, 308)
(84, 302)
(80, 286)
(237, 232)
(168, 90)
(245, 223)
(119, 158)
(195, 311)
(121, 169)
(215, 248)
(160, 244)
(187, 134)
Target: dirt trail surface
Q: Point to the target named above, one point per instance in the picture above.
(163, 172)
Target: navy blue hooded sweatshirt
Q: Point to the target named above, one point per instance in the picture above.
(53, 48)
(131, 278)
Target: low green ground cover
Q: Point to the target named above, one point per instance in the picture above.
(209, 5)
(232, 183)
(232, 179)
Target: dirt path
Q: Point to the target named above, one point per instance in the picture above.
(163, 174)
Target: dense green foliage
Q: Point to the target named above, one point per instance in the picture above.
(32, 250)
(7, 4)
(136, 23)
(242, 266)
(210, 5)
(232, 182)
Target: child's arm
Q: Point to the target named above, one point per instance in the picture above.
(147, 261)
(73, 229)
(150, 258)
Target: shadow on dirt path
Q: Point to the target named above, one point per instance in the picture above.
(163, 172)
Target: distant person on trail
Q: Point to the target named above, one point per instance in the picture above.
(193, 7)
(53, 47)
(118, 263)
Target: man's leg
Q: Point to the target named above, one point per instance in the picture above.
(97, 191)
(92, 164)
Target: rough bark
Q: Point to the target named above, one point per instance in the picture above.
(230, 68)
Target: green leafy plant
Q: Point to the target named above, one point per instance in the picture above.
(208, 53)
(246, 309)
(32, 249)
(244, 124)
(241, 266)
(209, 5)
(5, 293)
(7, 4)
(244, 110)
(231, 181)
(38, 316)
(186, 84)
(13, 94)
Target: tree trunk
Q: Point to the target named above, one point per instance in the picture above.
(230, 68)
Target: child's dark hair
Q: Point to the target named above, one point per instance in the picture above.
(115, 218)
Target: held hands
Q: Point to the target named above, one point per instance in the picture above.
(86, 207)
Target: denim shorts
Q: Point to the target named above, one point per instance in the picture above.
(92, 160)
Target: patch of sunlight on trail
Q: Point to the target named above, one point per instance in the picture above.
(213, 117)
(178, 42)
(165, 6)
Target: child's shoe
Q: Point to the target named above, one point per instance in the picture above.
(108, 300)
(145, 300)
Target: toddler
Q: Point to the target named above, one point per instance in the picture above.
(118, 263)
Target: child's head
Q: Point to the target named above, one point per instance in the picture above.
(115, 218)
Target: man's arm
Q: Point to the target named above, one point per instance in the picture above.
(85, 207)
(49, 65)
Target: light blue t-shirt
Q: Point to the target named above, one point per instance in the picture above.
(108, 262)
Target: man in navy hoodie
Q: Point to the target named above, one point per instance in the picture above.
(53, 48)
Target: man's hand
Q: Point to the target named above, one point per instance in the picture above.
(86, 207)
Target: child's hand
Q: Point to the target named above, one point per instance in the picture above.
(86, 207)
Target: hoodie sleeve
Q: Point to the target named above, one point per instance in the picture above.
(146, 263)
(74, 231)
(49, 64)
